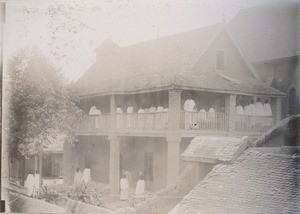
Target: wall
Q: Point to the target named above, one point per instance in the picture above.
(133, 151)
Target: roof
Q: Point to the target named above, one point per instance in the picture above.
(161, 64)
(214, 149)
(267, 32)
(257, 182)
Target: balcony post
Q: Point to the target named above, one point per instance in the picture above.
(112, 111)
(230, 103)
(174, 109)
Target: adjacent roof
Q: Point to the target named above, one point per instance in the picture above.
(267, 32)
(214, 149)
(256, 182)
(161, 64)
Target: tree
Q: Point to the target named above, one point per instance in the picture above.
(41, 104)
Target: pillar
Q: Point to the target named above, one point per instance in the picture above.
(112, 112)
(230, 103)
(276, 108)
(68, 164)
(174, 109)
(114, 164)
(41, 169)
(173, 141)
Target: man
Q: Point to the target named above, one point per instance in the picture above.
(141, 117)
(119, 117)
(189, 106)
(140, 188)
(124, 188)
(29, 184)
(77, 180)
(86, 177)
(129, 117)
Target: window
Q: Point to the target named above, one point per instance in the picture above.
(148, 166)
(292, 101)
(220, 60)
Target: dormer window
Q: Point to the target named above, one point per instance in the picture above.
(221, 60)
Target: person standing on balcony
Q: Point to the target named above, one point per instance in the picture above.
(119, 111)
(129, 117)
(239, 109)
(141, 117)
(267, 109)
(124, 185)
(252, 108)
(189, 106)
(94, 112)
(259, 108)
(247, 109)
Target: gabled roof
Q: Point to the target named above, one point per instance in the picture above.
(257, 182)
(267, 32)
(214, 149)
(161, 64)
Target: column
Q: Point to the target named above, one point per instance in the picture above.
(41, 169)
(230, 103)
(174, 109)
(112, 112)
(173, 141)
(114, 164)
(68, 164)
(276, 108)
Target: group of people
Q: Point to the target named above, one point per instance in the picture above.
(139, 190)
(82, 180)
(192, 120)
(32, 183)
(254, 109)
(152, 109)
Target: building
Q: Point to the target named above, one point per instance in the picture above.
(204, 64)
(264, 179)
(268, 36)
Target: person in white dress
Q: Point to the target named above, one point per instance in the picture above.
(247, 109)
(140, 188)
(95, 112)
(29, 184)
(78, 180)
(267, 108)
(252, 108)
(86, 178)
(141, 117)
(36, 183)
(259, 108)
(129, 117)
(189, 106)
(124, 185)
(119, 112)
(239, 109)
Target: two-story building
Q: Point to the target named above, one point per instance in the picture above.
(149, 83)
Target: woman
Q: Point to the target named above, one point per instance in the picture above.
(124, 188)
(29, 184)
(140, 188)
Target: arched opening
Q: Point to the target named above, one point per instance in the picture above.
(292, 103)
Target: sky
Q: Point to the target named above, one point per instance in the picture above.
(67, 32)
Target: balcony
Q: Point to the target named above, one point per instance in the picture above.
(253, 123)
(95, 123)
(204, 121)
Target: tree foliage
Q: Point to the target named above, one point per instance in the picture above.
(41, 106)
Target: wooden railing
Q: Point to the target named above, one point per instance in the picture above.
(253, 123)
(152, 121)
(204, 121)
(95, 123)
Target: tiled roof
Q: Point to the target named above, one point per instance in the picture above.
(161, 64)
(214, 149)
(256, 182)
(267, 32)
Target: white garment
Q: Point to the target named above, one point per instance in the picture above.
(141, 110)
(166, 110)
(160, 109)
(189, 105)
(152, 110)
(202, 114)
(247, 110)
(239, 110)
(140, 189)
(29, 184)
(259, 109)
(86, 177)
(77, 180)
(124, 188)
(252, 110)
(211, 113)
(119, 110)
(130, 110)
(94, 111)
(267, 109)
